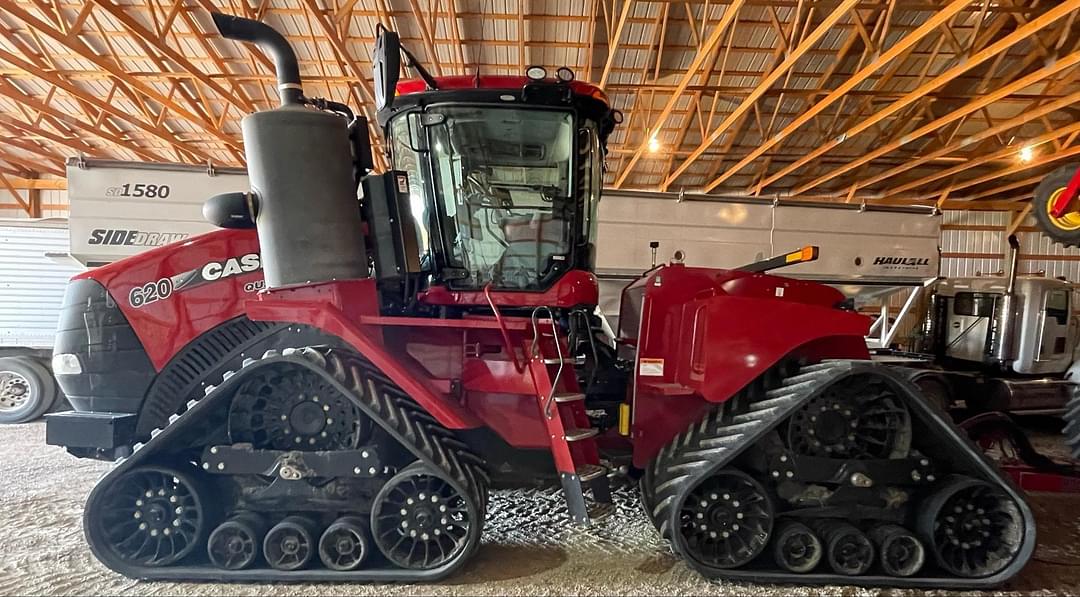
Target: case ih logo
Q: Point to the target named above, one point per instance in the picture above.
(133, 238)
(901, 262)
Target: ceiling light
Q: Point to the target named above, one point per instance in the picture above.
(1027, 153)
(654, 144)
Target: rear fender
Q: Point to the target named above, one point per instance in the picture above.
(705, 335)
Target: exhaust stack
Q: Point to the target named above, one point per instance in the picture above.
(300, 165)
(1005, 322)
(270, 42)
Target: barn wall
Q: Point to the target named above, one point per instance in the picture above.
(56, 199)
(973, 243)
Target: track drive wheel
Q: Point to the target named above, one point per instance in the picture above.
(1064, 229)
(421, 520)
(290, 408)
(858, 417)
(973, 528)
(726, 521)
(151, 516)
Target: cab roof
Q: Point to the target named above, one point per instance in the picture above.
(509, 82)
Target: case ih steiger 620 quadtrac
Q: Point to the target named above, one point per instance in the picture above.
(327, 389)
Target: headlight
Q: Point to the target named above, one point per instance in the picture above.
(66, 364)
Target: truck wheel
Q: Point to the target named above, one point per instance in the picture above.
(27, 390)
(1064, 229)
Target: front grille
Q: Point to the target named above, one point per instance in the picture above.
(115, 368)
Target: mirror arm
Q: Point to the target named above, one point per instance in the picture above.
(413, 63)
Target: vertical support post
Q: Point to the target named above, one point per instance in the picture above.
(33, 199)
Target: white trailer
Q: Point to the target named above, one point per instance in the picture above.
(116, 209)
(866, 252)
(32, 285)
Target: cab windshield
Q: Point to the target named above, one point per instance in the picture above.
(503, 181)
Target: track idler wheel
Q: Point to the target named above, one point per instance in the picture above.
(726, 520)
(847, 549)
(151, 516)
(344, 544)
(235, 543)
(290, 545)
(900, 551)
(420, 520)
(973, 527)
(796, 548)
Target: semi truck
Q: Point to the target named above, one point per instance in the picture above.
(995, 343)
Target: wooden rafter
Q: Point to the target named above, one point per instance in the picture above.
(896, 103)
(762, 86)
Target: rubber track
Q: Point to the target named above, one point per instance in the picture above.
(720, 436)
(379, 398)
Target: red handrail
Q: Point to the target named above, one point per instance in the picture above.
(502, 328)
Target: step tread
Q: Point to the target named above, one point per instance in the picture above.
(588, 472)
(564, 397)
(575, 434)
(579, 360)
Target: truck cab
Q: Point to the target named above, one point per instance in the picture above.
(1000, 345)
(966, 324)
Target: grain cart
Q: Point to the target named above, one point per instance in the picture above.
(327, 389)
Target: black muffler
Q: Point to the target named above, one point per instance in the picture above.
(304, 202)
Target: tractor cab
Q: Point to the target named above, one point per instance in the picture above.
(495, 182)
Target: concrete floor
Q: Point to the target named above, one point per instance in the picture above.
(529, 547)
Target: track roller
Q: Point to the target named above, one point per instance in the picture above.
(344, 544)
(235, 543)
(290, 545)
(973, 528)
(421, 520)
(796, 548)
(727, 519)
(847, 549)
(900, 551)
(153, 516)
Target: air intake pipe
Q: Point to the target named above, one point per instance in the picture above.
(303, 192)
(1005, 323)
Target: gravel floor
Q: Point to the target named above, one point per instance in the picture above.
(43, 550)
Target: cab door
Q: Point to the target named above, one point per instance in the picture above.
(1055, 338)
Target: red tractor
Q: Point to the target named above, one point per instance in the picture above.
(327, 389)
